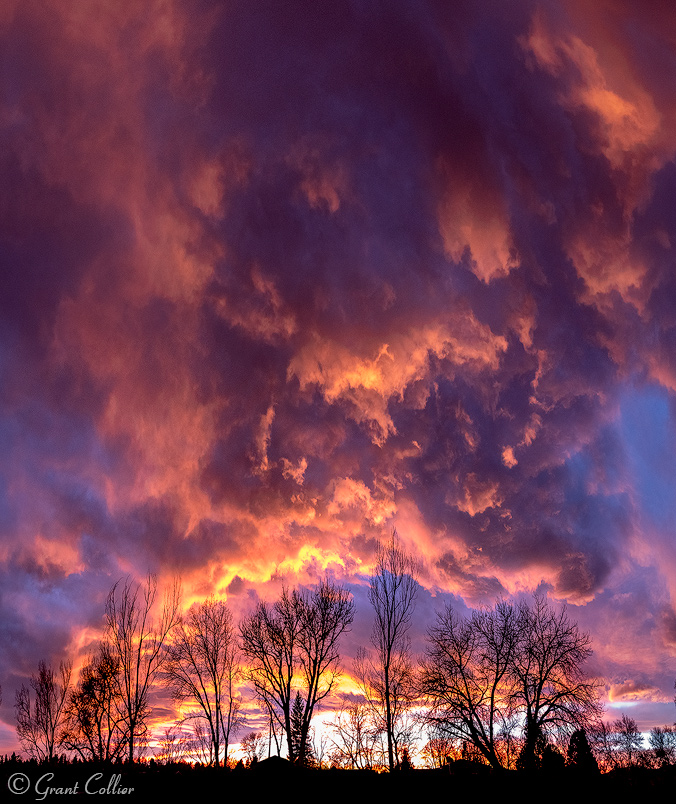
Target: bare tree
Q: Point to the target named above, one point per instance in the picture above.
(275, 733)
(253, 746)
(662, 741)
(96, 727)
(465, 677)
(439, 750)
(602, 741)
(355, 741)
(173, 746)
(268, 638)
(320, 748)
(138, 643)
(202, 667)
(550, 686)
(40, 724)
(200, 745)
(371, 679)
(294, 644)
(326, 612)
(385, 674)
(628, 741)
(484, 673)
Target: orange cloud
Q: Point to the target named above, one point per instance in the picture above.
(480, 225)
(631, 132)
(630, 691)
(367, 384)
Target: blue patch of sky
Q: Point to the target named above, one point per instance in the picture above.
(648, 434)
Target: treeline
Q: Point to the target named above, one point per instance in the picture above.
(504, 687)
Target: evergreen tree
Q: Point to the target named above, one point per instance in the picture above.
(552, 760)
(580, 755)
(306, 757)
(296, 724)
(405, 764)
(532, 750)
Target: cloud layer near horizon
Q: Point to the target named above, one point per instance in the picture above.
(279, 277)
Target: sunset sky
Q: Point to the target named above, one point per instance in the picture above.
(276, 277)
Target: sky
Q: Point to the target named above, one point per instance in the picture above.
(276, 278)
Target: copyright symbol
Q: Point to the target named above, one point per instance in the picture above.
(18, 783)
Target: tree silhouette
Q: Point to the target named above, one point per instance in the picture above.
(252, 746)
(294, 643)
(200, 744)
(269, 640)
(550, 687)
(662, 740)
(327, 612)
(405, 763)
(202, 667)
(173, 746)
(385, 674)
(138, 644)
(552, 760)
(530, 756)
(439, 750)
(40, 723)
(579, 755)
(466, 678)
(297, 725)
(602, 740)
(355, 740)
(628, 741)
(482, 674)
(95, 723)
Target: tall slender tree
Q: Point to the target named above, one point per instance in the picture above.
(138, 643)
(326, 612)
(385, 673)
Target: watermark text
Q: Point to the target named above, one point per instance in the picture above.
(95, 785)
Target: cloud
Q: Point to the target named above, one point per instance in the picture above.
(632, 691)
(275, 281)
